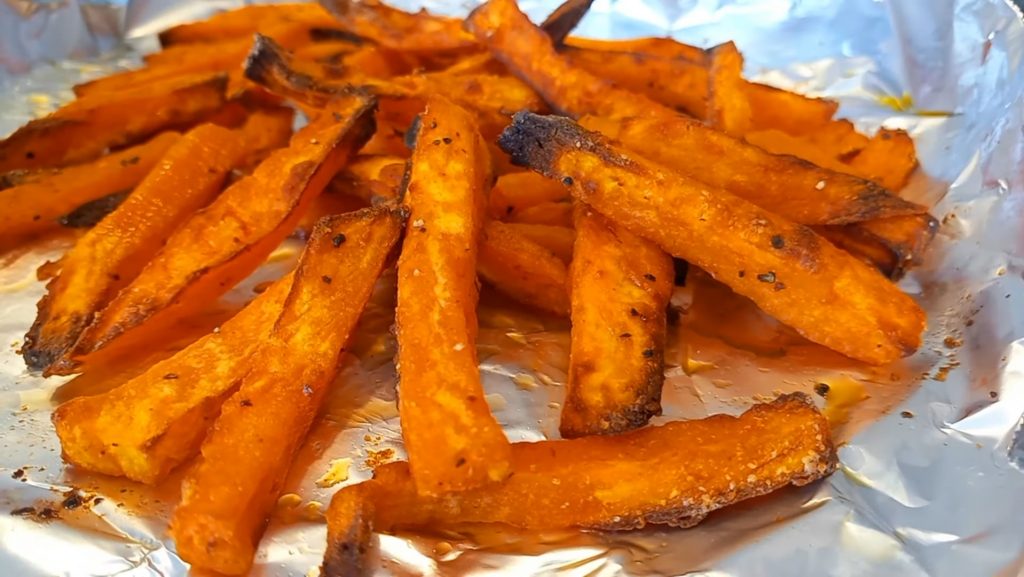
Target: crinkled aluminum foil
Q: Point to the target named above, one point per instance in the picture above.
(931, 480)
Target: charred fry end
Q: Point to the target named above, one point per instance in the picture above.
(534, 141)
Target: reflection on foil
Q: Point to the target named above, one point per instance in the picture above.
(931, 481)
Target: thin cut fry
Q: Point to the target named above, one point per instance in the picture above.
(34, 207)
(888, 159)
(557, 239)
(254, 439)
(153, 423)
(515, 192)
(402, 31)
(227, 240)
(522, 269)
(661, 47)
(453, 441)
(677, 473)
(85, 128)
(729, 109)
(787, 186)
(790, 272)
(243, 22)
(621, 285)
(113, 253)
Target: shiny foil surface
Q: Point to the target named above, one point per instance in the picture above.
(930, 482)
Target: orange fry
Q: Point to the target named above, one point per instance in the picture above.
(517, 191)
(621, 285)
(402, 31)
(522, 269)
(113, 253)
(227, 240)
(888, 159)
(677, 473)
(453, 441)
(729, 109)
(557, 239)
(242, 23)
(254, 439)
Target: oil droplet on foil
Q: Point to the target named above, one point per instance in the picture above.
(844, 393)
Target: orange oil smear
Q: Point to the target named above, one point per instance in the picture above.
(844, 393)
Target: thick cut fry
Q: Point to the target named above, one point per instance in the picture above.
(888, 159)
(113, 253)
(890, 244)
(243, 22)
(621, 285)
(85, 128)
(224, 242)
(349, 530)
(453, 441)
(784, 144)
(522, 269)
(774, 108)
(265, 130)
(402, 31)
(677, 473)
(660, 47)
(515, 192)
(36, 206)
(545, 213)
(91, 213)
(153, 423)
(728, 108)
(373, 179)
(217, 525)
(558, 240)
(787, 186)
(793, 274)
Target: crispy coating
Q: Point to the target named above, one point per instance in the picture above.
(564, 19)
(558, 240)
(522, 269)
(775, 108)
(36, 203)
(888, 159)
(349, 530)
(113, 253)
(892, 245)
(675, 474)
(517, 191)
(786, 185)
(621, 285)
(783, 185)
(85, 128)
(148, 426)
(225, 241)
(792, 273)
(227, 498)
(454, 442)
(402, 31)
(728, 108)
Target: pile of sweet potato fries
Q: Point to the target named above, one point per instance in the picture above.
(573, 175)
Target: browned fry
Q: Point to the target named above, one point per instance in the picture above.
(254, 439)
(888, 159)
(781, 143)
(402, 31)
(153, 423)
(515, 192)
(546, 213)
(787, 186)
(677, 472)
(42, 198)
(242, 23)
(85, 128)
(522, 269)
(729, 109)
(453, 441)
(774, 108)
(621, 285)
(224, 242)
(264, 131)
(661, 47)
(890, 244)
(790, 272)
(564, 19)
(349, 530)
(557, 239)
(371, 178)
(113, 253)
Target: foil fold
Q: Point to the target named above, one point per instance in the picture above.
(931, 481)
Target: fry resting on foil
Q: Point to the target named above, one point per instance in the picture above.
(573, 176)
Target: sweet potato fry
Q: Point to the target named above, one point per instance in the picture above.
(349, 530)
(113, 253)
(402, 31)
(515, 192)
(374, 179)
(148, 426)
(557, 239)
(522, 269)
(217, 525)
(35, 206)
(453, 441)
(892, 245)
(265, 130)
(788, 186)
(545, 213)
(792, 113)
(243, 22)
(85, 128)
(621, 285)
(781, 143)
(888, 159)
(779, 265)
(678, 473)
(661, 47)
(728, 108)
(91, 213)
(228, 239)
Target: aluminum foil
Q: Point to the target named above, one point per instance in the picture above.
(931, 479)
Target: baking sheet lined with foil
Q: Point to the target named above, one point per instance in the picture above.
(930, 480)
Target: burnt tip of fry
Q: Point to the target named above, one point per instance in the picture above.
(269, 65)
(91, 213)
(320, 34)
(564, 19)
(534, 141)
